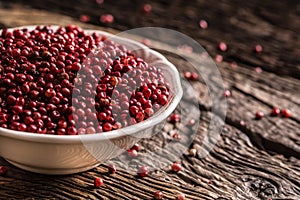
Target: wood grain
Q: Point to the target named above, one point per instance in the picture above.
(258, 160)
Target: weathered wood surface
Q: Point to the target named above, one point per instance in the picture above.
(258, 160)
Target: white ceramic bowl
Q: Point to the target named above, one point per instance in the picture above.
(53, 154)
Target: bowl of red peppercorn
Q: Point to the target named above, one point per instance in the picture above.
(73, 98)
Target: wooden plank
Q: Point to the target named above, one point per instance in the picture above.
(238, 167)
(235, 168)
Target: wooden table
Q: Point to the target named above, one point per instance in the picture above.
(253, 159)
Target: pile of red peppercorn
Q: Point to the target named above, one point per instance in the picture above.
(68, 82)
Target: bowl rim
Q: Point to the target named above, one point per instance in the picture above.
(128, 130)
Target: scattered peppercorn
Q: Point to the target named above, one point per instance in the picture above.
(98, 182)
(147, 8)
(194, 76)
(143, 171)
(275, 112)
(132, 153)
(180, 196)
(258, 70)
(242, 123)
(112, 168)
(191, 122)
(203, 24)
(158, 195)
(227, 93)
(176, 135)
(286, 113)
(107, 18)
(136, 147)
(222, 46)
(84, 18)
(174, 118)
(218, 58)
(3, 170)
(259, 115)
(176, 167)
(258, 49)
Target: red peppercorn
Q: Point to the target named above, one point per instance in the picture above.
(98, 182)
(176, 167)
(177, 136)
(143, 171)
(180, 196)
(3, 170)
(174, 118)
(258, 48)
(227, 93)
(135, 147)
(191, 122)
(112, 169)
(259, 115)
(132, 153)
(242, 123)
(219, 58)
(158, 195)
(84, 18)
(187, 75)
(258, 70)
(147, 8)
(106, 18)
(286, 113)
(194, 76)
(275, 112)
(222, 46)
(203, 24)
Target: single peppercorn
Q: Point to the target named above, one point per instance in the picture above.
(176, 167)
(112, 168)
(132, 153)
(275, 112)
(174, 118)
(203, 24)
(143, 171)
(286, 113)
(222, 46)
(98, 182)
(227, 93)
(147, 8)
(3, 170)
(158, 195)
(259, 115)
(136, 147)
(180, 196)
